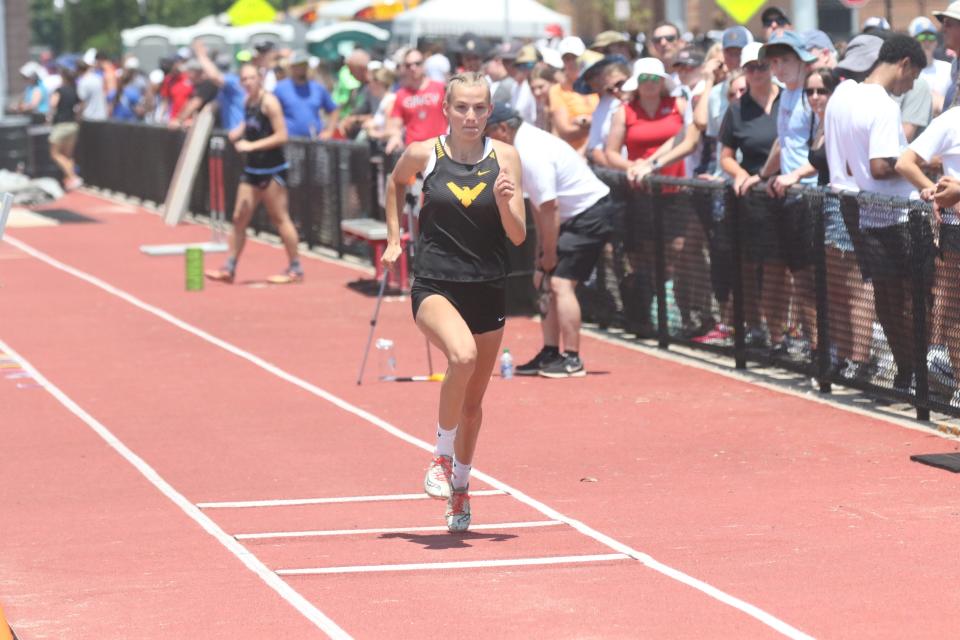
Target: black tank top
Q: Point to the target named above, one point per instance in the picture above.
(257, 127)
(461, 236)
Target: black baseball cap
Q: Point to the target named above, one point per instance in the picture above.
(771, 14)
(502, 111)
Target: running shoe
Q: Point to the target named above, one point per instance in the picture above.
(458, 511)
(290, 276)
(566, 367)
(720, 334)
(436, 483)
(220, 275)
(542, 359)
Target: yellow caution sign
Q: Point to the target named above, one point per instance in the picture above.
(740, 10)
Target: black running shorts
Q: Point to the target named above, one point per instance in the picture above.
(262, 180)
(482, 305)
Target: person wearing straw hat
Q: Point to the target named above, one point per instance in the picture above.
(473, 203)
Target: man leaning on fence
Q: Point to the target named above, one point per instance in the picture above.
(864, 138)
(574, 218)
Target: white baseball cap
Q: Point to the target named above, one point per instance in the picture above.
(572, 45)
(649, 67)
(750, 53)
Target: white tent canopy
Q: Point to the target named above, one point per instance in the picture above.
(513, 18)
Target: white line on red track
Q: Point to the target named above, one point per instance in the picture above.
(288, 593)
(741, 605)
(248, 504)
(465, 564)
(360, 532)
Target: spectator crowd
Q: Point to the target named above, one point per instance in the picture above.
(771, 111)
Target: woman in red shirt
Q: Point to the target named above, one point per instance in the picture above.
(647, 120)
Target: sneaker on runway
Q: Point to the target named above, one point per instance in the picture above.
(539, 361)
(566, 367)
(436, 483)
(290, 276)
(720, 334)
(458, 510)
(220, 275)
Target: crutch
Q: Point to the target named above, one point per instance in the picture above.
(373, 324)
(412, 243)
(5, 205)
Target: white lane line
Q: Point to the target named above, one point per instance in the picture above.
(751, 610)
(360, 532)
(288, 593)
(249, 504)
(465, 564)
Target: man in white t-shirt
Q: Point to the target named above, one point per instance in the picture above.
(864, 137)
(941, 140)
(574, 218)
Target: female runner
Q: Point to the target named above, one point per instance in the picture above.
(473, 201)
(261, 137)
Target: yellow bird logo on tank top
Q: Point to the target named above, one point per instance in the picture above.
(466, 195)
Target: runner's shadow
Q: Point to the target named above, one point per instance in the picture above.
(449, 540)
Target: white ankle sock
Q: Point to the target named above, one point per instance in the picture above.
(445, 440)
(461, 474)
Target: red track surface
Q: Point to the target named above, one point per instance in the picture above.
(813, 514)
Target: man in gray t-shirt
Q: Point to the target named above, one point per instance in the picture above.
(916, 109)
(91, 93)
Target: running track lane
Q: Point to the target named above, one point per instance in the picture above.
(788, 504)
(112, 328)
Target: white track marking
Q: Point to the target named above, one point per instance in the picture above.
(726, 598)
(360, 532)
(248, 504)
(465, 564)
(285, 591)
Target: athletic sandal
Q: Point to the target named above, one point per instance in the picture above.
(458, 510)
(219, 275)
(436, 483)
(290, 276)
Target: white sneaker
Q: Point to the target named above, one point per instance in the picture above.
(458, 511)
(436, 483)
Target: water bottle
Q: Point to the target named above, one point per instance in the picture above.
(387, 359)
(506, 365)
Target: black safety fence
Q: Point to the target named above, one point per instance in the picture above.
(857, 289)
(852, 289)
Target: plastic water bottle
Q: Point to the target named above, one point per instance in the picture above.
(506, 365)
(387, 359)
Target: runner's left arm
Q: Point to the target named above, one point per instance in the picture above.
(508, 190)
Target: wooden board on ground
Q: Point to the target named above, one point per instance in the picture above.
(191, 154)
(5, 204)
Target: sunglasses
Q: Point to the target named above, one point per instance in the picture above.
(819, 91)
(926, 37)
(664, 38)
(648, 77)
(772, 21)
(615, 87)
(756, 67)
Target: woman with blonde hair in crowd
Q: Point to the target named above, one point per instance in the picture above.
(543, 78)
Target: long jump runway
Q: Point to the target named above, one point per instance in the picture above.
(202, 464)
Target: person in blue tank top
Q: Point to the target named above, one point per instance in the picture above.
(473, 203)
